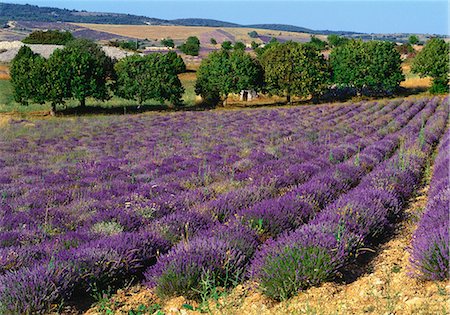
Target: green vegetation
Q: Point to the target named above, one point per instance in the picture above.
(128, 45)
(433, 61)
(413, 40)
(53, 37)
(191, 46)
(239, 46)
(294, 69)
(227, 45)
(283, 269)
(174, 60)
(317, 43)
(254, 45)
(213, 41)
(28, 77)
(253, 34)
(168, 42)
(336, 40)
(142, 78)
(84, 70)
(225, 72)
(78, 71)
(369, 67)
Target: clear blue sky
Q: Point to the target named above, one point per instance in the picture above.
(425, 16)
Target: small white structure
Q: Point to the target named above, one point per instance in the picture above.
(247, 95)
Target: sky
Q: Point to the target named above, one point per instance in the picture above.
(400, 16)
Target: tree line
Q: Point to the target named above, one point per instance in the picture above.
(81, 70)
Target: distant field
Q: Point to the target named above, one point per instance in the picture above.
(157, 32)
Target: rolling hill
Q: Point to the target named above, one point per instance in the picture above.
(19, 12)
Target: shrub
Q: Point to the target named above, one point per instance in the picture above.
(296, 261)
(253, 34)
(34, 290)
(182, 270)
(53, 37)
(168, 42)
(182, 225)
(274, 216)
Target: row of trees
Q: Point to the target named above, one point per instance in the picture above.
(294, 69)
(81, 70)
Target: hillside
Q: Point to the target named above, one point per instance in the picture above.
(19, 12)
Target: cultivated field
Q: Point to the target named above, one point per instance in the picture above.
(181, 33)
(93, 204)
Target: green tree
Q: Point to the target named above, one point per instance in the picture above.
(224, 72)
(413, 40)
(294, 69)
(433, 61)
(191, 46)
(373, 66)
(88, 69)
(254, 45)
(176, 61)
(239, 46)
(261, 49)
(253, 34)
(317, 43)
(142, 78)
(227, 45)
(58, 78)
(213, 41)
(168, 42)
(28, 77)
(336, 40)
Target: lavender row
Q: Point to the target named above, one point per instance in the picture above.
(318, 251)
(169, 276)
(285, 175)
(430, 244)
(63, 198)
(110, 220)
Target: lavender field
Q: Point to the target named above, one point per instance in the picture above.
(284, 197)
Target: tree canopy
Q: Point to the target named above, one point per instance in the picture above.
(433, 60)
(191, 46)
(294, 69)
(88, 69)
(28, 77)
(224, 72)
(142, 78)
(336, 40)
(369, 67)
(168, 42)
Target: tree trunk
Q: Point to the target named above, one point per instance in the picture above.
(83, 102)
(53, 110)
(288, 98)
